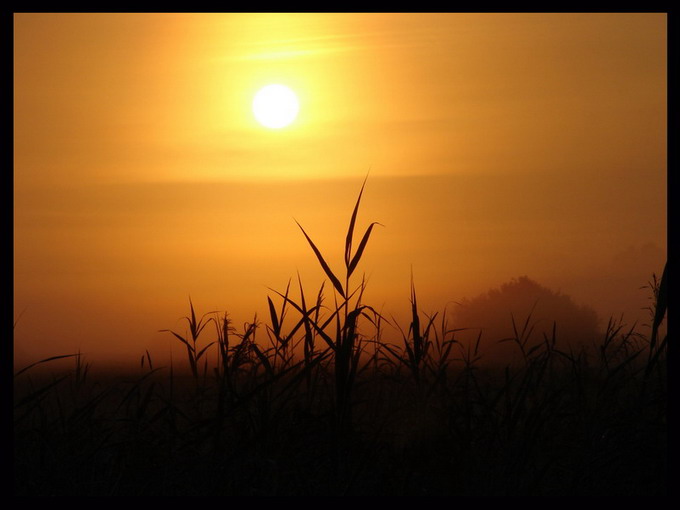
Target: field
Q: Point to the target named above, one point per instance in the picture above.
(317, 401)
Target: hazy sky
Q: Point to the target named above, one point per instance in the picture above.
(498, 145)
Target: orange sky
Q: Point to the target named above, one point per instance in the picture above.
(498, 145)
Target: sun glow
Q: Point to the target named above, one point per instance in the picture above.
(275, 106)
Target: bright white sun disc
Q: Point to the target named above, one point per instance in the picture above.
(275, 106)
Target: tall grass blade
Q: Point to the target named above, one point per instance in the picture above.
(660, 307)
(46, 360)
(350, 230)
(263, 360)
(661, 304)
(415, 324)
(324, 265)
(180, 337)
(309, 339)
(200, 353)
(362, 246)
(192, 322)
(274, 318)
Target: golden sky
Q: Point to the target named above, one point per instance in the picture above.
(498, 145)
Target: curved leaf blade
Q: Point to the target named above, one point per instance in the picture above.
(324, 265)
(355, 261)
(350, 230)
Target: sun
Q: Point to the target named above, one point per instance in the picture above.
(275, 106)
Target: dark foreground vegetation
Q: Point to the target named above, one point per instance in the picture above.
(317, 402)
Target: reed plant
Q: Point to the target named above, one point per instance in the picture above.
(322, 399)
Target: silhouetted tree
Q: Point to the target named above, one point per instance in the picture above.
(534, 309)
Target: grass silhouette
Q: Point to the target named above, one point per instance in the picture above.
(325, 406)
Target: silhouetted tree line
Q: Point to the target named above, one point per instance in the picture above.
(523, 310)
